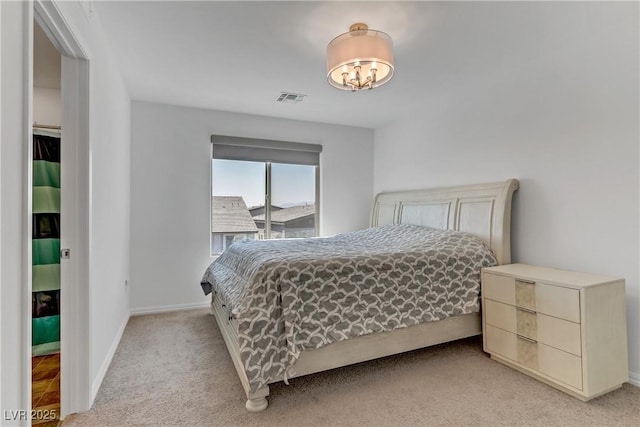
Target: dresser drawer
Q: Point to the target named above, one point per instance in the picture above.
(501, 342)
(499, 288)
(560, 365)
(501, 315)
(556, 364)
(559, 333)
(522, 350)
(554, 332)
(510, 318)
(556, 301)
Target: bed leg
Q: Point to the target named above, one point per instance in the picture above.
(256, 405)
(257, 401)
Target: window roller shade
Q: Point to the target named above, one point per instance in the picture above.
(265, 150)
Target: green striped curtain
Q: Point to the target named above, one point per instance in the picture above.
(46, 243)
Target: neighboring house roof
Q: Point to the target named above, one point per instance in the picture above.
(229, 214)
(289, 214)
(254, 209)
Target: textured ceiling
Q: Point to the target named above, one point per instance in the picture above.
(239, 56)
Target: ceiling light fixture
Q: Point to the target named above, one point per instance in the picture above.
(360, 59)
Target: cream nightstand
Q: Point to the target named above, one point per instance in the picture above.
(566, 329)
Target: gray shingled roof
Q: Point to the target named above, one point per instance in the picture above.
(229, 214)
(288, 214)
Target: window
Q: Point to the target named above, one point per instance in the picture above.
(262, 189)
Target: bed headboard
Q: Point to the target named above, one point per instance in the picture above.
(481, 209)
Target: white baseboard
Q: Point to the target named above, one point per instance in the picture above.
(97, 382)
(634, 378)
(168, 308)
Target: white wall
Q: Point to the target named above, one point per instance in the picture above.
(109, 113)
(170, 193)
(563, 117)
(47, 106)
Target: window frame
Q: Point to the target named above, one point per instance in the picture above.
(289, 149)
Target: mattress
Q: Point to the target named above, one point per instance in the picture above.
(287, 296)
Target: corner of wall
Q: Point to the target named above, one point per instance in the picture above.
(97, 381)
(634, 378)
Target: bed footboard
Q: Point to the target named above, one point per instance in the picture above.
(351, 351)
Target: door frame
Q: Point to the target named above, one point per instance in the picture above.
(75, 377)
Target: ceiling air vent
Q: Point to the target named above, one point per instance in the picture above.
(290, 97)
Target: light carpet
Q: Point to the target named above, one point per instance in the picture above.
(174, 369)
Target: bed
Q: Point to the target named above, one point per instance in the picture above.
(282, 327)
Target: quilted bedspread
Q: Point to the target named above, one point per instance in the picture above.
(292, 295)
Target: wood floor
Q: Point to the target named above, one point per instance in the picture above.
(45, 390)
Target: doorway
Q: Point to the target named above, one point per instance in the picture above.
(70, 121)
(46, 231)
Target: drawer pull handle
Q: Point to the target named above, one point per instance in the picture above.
(530, 282)
(527, 339)
(526, 310)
